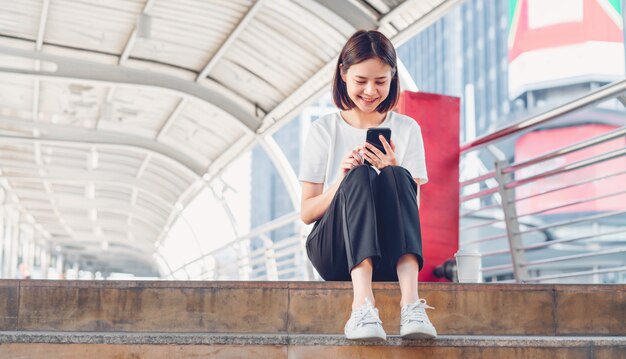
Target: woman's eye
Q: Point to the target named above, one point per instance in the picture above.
(380, 83)
(360, 82)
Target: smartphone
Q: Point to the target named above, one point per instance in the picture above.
(372, 137)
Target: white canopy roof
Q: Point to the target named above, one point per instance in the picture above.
(106, 133)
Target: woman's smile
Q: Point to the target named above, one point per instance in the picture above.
(368, 100)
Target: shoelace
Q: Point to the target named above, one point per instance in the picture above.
(367, 314)
(416, 312)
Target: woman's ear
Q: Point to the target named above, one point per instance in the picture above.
(342, 73)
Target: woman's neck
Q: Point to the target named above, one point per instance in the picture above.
(360, 119)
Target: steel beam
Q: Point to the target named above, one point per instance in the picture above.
(55, 134)
(89, 71)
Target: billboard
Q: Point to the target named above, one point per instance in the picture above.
(554, 43)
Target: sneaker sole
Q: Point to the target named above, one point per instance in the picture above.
(368, 335)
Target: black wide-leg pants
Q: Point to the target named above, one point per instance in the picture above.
(372, 215)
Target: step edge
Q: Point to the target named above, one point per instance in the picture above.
(134, 338)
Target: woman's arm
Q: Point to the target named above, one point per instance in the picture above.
(315, 203)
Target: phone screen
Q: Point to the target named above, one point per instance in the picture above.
(372, 137)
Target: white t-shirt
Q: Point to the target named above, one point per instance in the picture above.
(331, 138)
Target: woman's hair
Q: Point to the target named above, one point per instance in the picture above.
(365, 45)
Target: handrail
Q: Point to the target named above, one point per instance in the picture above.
(573, 221)
(571, 185)
(266, 227)
(568, 204)
(578, 274)
(468, 213)
(479, 194)
(570, 167)
(569, 240)
(480, 225)
(599, 95)
(486, 176)
(575, 256)
(611, 135)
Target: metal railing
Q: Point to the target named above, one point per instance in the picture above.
(509, 214)
(272, 251)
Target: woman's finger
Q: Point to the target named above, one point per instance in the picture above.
(374, 150)
(386, 144)
(371, 157)
(357, 156)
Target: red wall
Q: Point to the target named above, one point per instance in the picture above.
(438, 116)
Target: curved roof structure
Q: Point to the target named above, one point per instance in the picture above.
(114, 114)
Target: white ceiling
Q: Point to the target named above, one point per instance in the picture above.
(106, 136)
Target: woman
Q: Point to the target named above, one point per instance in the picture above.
(367, 224)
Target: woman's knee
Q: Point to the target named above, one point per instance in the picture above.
(397, 173)
(360, 174)
(396, 170)
(396, 177)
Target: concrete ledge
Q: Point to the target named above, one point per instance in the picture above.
(293, 308)
(482, 341)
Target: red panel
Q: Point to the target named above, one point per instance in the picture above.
(438, 116)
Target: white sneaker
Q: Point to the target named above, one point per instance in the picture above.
(365, 324)
(414, 322)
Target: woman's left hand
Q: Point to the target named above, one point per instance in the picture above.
(379, 159)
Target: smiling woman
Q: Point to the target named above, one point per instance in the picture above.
(366, 217)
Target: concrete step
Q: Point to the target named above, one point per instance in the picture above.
(304, 307)
(52, 345)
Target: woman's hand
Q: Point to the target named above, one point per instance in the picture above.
(351, 160)
(379, 159)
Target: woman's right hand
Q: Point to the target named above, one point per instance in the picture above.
(351, 160)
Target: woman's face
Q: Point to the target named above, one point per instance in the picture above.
(368, 83)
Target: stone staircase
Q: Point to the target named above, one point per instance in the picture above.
(130, 319)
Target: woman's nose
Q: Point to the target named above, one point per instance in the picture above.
(369, 89)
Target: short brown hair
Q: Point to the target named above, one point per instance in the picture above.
(361, 46)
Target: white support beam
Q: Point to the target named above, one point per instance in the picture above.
(143, 166)
(80, 178)
(41, 29)
(402, 8)
(88, 239)
(187, 196)
(67, 163)
(425, 21)
(135, 193)
(80, 137)
(133, 35)
(111, 256)
(285, 171)
(103, 206)
(35, 105)
(77, 221)
(99, 73)
(61, 200)
(105, 108)
(234, 34)
(170, 119)
(406, 80)
(212, 62)
(355, 13)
